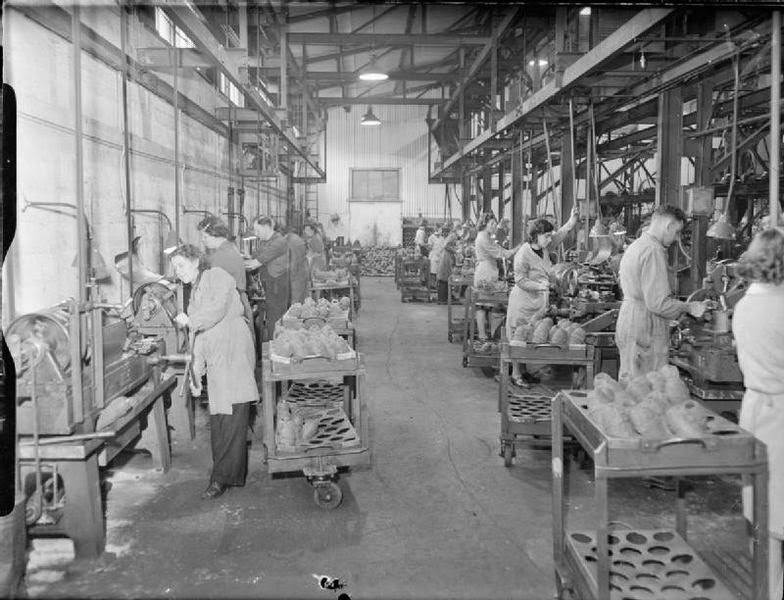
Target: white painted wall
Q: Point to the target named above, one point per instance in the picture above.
(38, 63)
(399, 143)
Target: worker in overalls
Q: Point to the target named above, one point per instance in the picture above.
(271, 257)
(642, 332)
(221, 253)
(758, 325)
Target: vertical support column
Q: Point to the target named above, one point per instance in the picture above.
(487, 190)
(775, 118)
(518, 225)
(466, 191)
(243, 23)
(533, 187)
(567, 175)
(501, 176)
(668, 151)
(702, 176)
(284, 59)
(175, 106)
(462, 129)
(493, 86)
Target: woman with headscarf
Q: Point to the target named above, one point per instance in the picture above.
(223, 350)
(487, 253)
(529, 298)
(758, 325)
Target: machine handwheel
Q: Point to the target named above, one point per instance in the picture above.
(488, 371)
(328, 495)
(508, 454)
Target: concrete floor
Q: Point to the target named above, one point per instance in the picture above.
(437, 515)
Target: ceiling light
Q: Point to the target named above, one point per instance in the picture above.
(372, 72)
(585, 11)
(542, 62)
(373, 75)
(369, 118)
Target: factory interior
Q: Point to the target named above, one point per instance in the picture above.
(391, 299)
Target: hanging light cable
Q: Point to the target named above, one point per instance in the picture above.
(372, 72)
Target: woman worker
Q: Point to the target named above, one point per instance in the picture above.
(529, 297)
(758, 325)
(223, 350)
(315, 244)
(487, 252)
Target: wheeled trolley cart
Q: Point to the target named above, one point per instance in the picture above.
(455, 311)
(475, 353)
(330, 292)
(526, 413)
(413, 279)
(657, 563)
(331, 392)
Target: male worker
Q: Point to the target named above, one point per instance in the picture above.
(642, 332)
(420, 239)
(223, 254)
(299, 270)
(272, 257)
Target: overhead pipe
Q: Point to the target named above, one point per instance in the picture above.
(775, 118)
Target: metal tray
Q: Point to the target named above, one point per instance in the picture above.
(725, 446)
(657, 564)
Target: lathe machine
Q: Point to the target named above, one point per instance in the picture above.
(706, 349)
(87, 387)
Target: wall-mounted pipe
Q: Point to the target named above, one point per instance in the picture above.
(126, 142)
(161, 216)
(81, 255)
(775, 118)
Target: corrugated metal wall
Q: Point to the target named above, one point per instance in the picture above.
(400, 142)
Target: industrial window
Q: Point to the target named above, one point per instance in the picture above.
(231, 91)
(170, 32)
(374, 185)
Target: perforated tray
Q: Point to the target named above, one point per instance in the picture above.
(315, 393)
(656, 564)
(334, 431)
(528, 407)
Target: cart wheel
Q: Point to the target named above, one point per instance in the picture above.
(328, 495)
(508, 453)
(449, 337)
(465, 361)
(488, 371)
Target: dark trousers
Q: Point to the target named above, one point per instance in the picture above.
(443, 291)
(277, 303)
(229, 437)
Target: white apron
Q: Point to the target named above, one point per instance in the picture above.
(763, 415)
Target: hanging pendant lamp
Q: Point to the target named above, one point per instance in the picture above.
(369, 119)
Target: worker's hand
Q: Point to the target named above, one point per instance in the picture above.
(575, 212)
(697, 309)
(182, 320)
(195, 388)
(544, 286)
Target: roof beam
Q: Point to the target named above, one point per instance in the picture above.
(643, 21)
(377, 100)
(326, 12)
(273, 73)
(185, 18)
(386, 39)
(480, 59)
